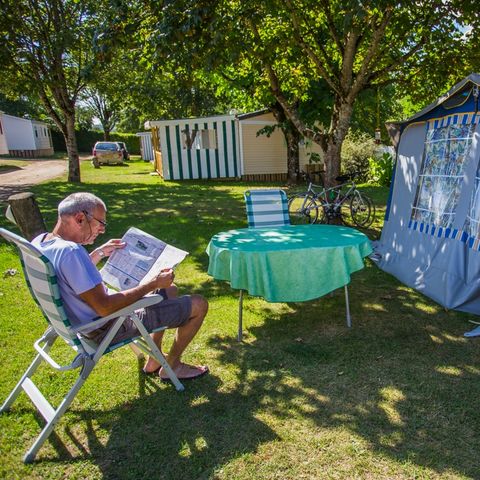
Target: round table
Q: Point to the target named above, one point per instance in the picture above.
(293, 263)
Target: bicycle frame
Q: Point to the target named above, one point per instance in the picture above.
(331, 206)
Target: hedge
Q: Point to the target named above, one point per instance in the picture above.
(86, 140)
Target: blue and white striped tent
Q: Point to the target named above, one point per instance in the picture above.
(431, 235)
(198, 148)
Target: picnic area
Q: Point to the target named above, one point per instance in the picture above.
(239, 240)
(302, 396)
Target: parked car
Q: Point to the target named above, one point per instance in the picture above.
(107, 153)
(126, 155)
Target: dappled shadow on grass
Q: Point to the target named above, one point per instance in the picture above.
(167, 434)
(8, 190)
(399, 378)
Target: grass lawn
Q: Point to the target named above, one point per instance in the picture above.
(302, 397)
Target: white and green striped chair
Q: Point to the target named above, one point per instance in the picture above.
(42, 282)
(266, 208)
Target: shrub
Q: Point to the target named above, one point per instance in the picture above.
(357, 148)
(380, 169)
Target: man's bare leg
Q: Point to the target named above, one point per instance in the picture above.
(183, 337)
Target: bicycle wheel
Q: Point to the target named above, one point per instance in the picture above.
(362, 210)
(302, 209)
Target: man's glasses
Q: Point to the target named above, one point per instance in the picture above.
(101, 222)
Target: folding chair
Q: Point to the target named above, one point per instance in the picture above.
(42, 282)
(266, 208)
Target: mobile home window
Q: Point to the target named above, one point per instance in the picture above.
(208, 139)
(1, 129)
(199, 139)
(36, 132)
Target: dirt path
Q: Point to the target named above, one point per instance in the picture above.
(34, 172)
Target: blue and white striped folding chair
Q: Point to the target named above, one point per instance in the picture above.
(266, 208)
(42, 282)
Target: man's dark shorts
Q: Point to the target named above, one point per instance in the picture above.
(169, 313)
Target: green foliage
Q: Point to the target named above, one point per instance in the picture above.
(86, 140)
(314, 157)
(357, 148)
(380, 169)
(24, 107)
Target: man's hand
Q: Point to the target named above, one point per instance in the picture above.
(165, 278)
(105, 303)
(106, 249)
(112, 245)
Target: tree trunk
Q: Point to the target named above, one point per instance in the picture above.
(332, 162)
(106, 133)
(72, 150)
(292, 137)
(340, 123)
(27, 215)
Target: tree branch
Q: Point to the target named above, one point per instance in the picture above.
(331, 26)
(327, 75)
(362, 77)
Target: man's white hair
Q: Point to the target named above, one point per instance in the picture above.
(79, 202)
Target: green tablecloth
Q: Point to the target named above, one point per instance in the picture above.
(290, 263)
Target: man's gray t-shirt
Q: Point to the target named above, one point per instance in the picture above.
(76, 274)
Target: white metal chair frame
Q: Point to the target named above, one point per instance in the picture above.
(42, 282)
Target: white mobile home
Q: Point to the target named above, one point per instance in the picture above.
(146, 148)
(20, 137)
(225, 146)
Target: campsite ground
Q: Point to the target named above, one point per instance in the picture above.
(301, 397)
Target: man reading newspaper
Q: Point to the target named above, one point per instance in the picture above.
(81, 218)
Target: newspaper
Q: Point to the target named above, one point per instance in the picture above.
(143, 257)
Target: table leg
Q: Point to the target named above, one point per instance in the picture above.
(240, 309)
(347, 304)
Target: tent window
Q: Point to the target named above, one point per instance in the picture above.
(459, 98)
(441, 175)
(472, 222)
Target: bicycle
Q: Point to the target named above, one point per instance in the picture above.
(343, 201)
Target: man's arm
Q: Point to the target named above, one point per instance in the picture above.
(104, 303)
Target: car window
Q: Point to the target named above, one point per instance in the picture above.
(106, 146)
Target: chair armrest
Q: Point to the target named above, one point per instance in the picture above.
(144, 302)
